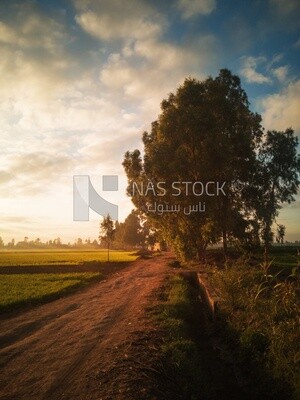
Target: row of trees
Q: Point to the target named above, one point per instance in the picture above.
(133, 232)
(55, 243)
(206, 132)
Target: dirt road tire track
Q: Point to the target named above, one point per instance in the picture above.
(84, 346)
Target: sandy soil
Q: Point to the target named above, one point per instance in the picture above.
(95, 344)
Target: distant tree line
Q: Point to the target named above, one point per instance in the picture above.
(206, 132)
(49, 244)
(134, 232)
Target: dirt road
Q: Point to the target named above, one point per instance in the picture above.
(89, 345)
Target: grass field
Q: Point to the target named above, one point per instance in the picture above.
(66, 257)
(285, 256)
(54, 273)
(19, 289)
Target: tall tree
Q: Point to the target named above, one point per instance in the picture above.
(107, 232)
(119, 235)
(132, 229)
(205, 132)
(79, 242)
(129, 233)
(149, 233)
(280, 234)
(275, 180)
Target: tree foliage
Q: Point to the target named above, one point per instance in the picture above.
(275, 180)
(129, 233)
(280, 234)
(107, 231)
(205, 132)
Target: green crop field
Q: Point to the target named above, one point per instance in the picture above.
(35, 276)
(19, 289)
(66, 257)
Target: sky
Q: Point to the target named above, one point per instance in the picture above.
(80, 80)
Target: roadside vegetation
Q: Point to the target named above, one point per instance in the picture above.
(251, 350)
(179, 351)
(259, 319)
(191, 369)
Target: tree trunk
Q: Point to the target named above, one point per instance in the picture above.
(201, 253)
(266, 253)
(267, 240)
(224, 225)
(224, 239)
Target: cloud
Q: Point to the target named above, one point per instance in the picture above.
(30, 28)
(281, 73)
(191, 8)
(144, 82)
(165, 55)
(34, 60)
(15, 219)
(109, 19)
(107, 155)
(54, 90)
(5, 177)
(49, 94)
(285, 7)
(250, 65)
(51, 103)
(71, 104)
(7, 34)
(248, 70)
(149, 72)
(281, 110)
(32, 173)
